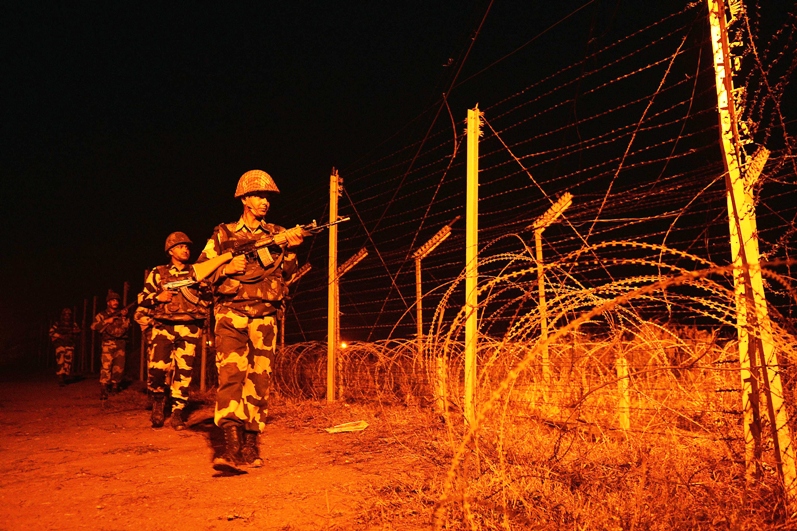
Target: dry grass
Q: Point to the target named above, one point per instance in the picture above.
(552, 453)
(554, 457)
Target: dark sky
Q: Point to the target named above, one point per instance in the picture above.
(124, 121)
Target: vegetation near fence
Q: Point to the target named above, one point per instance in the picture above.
(634, 423)
(629, 359)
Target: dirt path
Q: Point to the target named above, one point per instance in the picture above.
(69, 462)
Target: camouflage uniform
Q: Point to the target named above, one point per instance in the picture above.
(64, 334)
(174, 334)
(246, 309)
(114, 338)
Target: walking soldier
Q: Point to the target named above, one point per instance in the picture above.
(113, 324)
(248, 292)
(64, 334)
(178, 316)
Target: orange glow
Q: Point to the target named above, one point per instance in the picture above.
(343, 344)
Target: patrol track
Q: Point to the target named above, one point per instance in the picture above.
(72, 462)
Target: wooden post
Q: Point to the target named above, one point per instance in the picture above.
(333, 326)
(419, 254)
(355, 259)
(624, 400)
(418, 308)
(42, 340)
(471, 260)
(83, 336)
(125, 291)
(93, 332)
(143, 355)
(539, 225)
(144, 346)
(546, 362)
(757, 356)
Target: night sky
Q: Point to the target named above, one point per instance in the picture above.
(123, 122)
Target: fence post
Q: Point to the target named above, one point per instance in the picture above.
(339, 272)
(471, 260)
(83, 336)
(333, 329)
(419, 254)
(753, 325)
(418, 307)
(539, 225)
(624, 401)
(42, 339)
(142, 362)
(93, 333)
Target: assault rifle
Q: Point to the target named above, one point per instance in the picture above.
(202, 270)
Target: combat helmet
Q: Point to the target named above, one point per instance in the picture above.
(112, 295)
(176, 238)
(255, 181)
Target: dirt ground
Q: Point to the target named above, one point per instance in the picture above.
(72, 462)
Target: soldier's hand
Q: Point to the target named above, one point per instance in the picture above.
(294, 236)
(124, 312)
(165, 296)
(236, 266)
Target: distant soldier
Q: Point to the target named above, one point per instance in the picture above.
(113, 324)
(64, 335)
(178, 316)
(249, 291)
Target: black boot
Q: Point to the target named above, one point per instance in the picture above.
(158, 404)
(250, 451)
(61, 380)
(230, 460)
(177, 421)
(103, 392)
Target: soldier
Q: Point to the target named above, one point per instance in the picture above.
(176, 329)
(248, 293)
(64, 334)
(113, 324)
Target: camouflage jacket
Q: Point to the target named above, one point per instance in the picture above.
(262, 287)
(64, 334)
(116, 329)
(187, 304)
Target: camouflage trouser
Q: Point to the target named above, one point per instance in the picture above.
(113, 361)
(244, 355)
(63, 358)
(173, 346)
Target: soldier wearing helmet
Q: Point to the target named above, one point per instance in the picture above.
(174, 335)
(113, 325)
(248, 293)
(64, 334)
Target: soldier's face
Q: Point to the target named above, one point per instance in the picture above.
(256, 203)
(113, 304)
(66, 316)
(180, 252)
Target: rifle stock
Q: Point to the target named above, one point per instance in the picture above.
(203, 270)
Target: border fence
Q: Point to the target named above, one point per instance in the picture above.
(614, 317)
